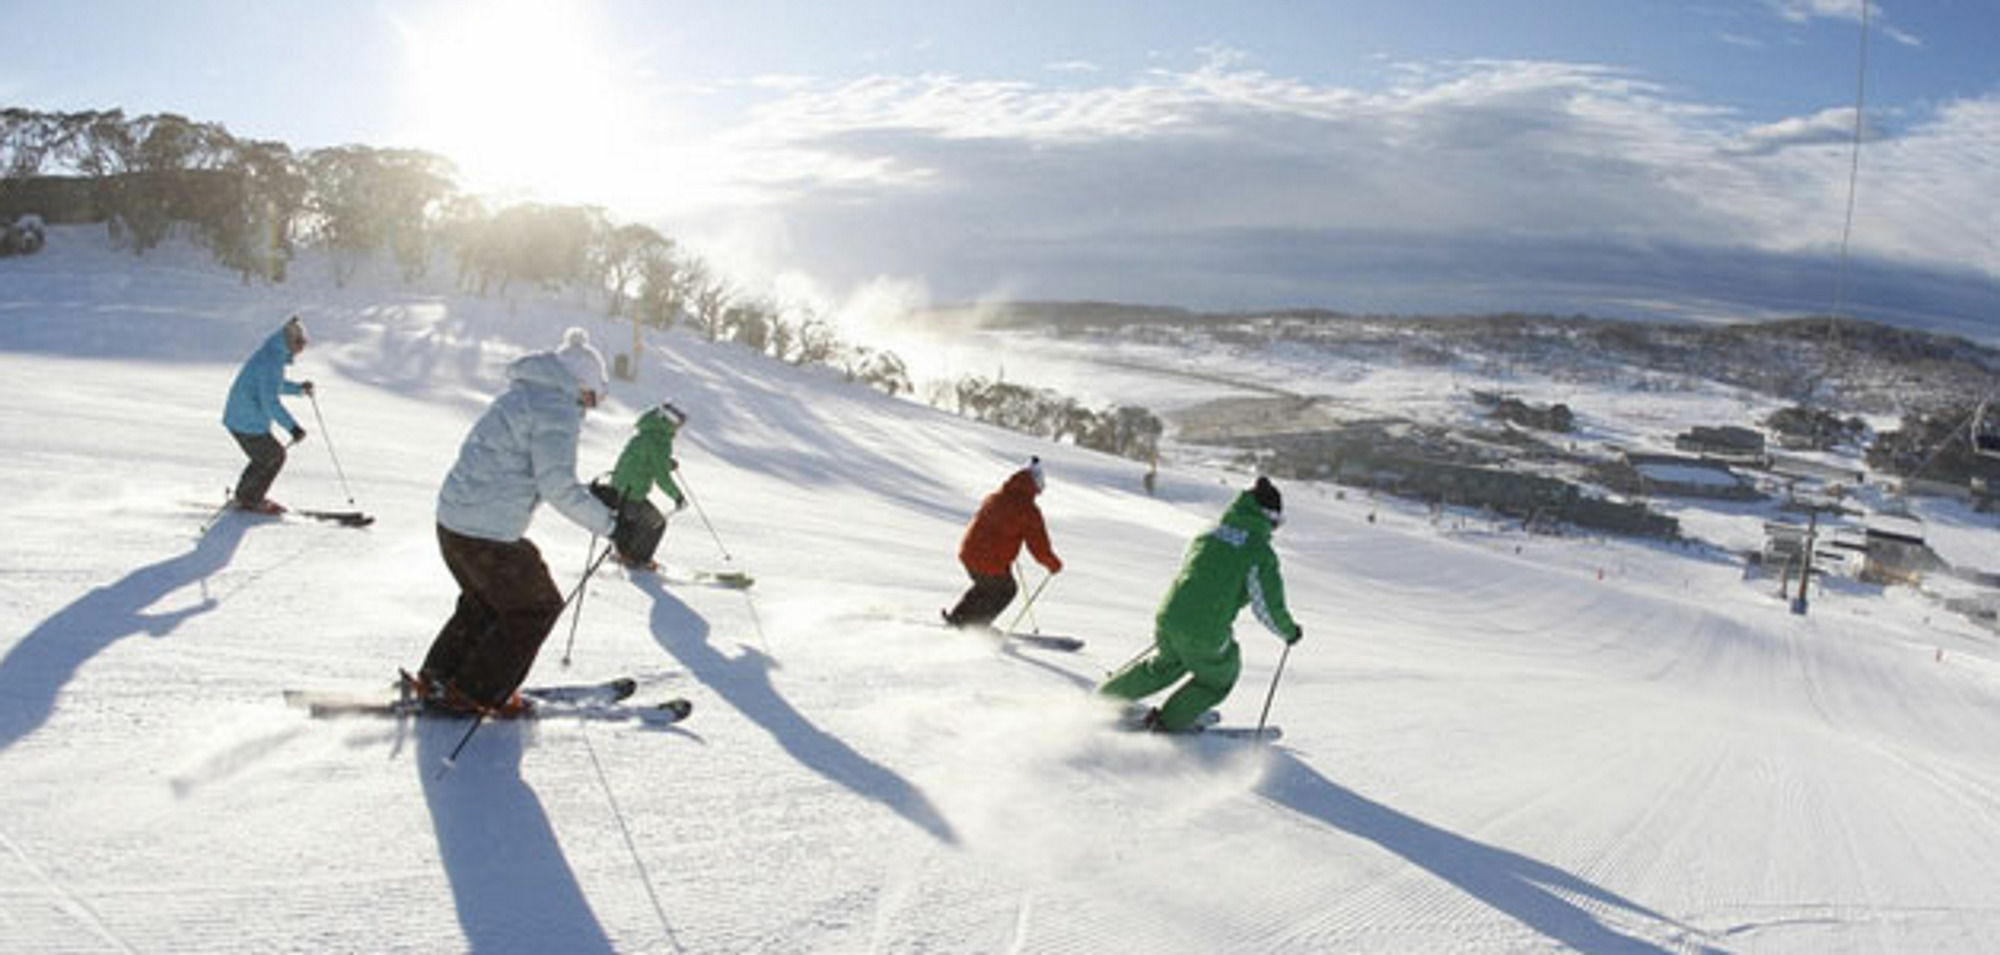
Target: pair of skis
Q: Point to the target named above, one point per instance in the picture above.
(590, 701)
(1037, 639)
(1210, 726)
(342, 518)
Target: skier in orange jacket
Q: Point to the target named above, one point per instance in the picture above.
(1007, 519)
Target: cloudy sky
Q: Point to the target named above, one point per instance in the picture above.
(1606, 156)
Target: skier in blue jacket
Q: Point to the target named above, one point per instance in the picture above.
(252, 408)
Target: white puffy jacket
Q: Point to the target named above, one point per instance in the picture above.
(522, 452)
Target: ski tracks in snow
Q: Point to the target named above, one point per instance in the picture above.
(79, 909)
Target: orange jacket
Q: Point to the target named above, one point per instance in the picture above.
(1007, 519)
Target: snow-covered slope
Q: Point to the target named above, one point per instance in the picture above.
(1492, 742)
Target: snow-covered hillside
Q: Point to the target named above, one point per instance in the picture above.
(1493, 742)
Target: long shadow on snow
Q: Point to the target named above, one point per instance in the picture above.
(514, 889)
(34, 672)
(745, 681)
(1529, 891)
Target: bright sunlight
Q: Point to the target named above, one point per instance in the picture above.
(523, 96)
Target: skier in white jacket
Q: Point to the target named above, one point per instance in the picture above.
(520, 453)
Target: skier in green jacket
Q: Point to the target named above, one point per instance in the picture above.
(648, 459)
(1225, 569)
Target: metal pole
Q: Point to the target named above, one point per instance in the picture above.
(1136, 657)
(1023, 578)
(688, 489)
(212, 518)
(1031, 602)
(577, 593)
(1274, 690)
(1805, 564)
(589, 567)
(328, 439)
(452, 760)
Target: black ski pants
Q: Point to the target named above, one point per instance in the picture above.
(507, 604)
(983, 601)
(640, 524)
(267, 458)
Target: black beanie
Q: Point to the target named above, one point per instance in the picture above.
(1266, 495)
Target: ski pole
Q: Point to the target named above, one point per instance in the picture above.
(1030, 604)
(1274, 689)
(1032, 620)
(688, 489)
(589, 564)
(452, 760)
(1143, 653)
(577, 594)
(212, 518)
(328, 439)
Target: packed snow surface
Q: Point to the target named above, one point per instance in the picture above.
(1492, 741)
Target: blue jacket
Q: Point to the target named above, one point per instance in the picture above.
(253, 399)
(522, 452)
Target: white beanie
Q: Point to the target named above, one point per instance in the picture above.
(583, 361)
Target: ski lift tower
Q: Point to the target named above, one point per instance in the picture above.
(1799, 603)
(1985, 436)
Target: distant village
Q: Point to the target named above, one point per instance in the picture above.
(1800, 463)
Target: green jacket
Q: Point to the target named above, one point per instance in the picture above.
(1225, 569)
(648, 459)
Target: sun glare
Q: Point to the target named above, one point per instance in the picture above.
(522, 95)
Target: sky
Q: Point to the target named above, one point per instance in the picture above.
(1631, 157)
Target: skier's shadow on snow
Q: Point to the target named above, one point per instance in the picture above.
(745, 681)
(514, 888)
(1534, 893)
(34, 672)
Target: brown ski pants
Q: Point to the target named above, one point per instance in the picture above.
(506, 606)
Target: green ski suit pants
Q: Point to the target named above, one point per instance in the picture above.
(1212, 663)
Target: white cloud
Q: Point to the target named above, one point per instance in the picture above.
(1832, 125)
(1223, 185)
(1801, 11)
(1806, 11)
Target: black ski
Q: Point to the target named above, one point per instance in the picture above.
(609, 691)
(1209, 725)
(343, 518)
(1270, 733)
(1047, 641)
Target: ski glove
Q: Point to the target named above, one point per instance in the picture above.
(1298, 633)
(298, 434)
(306, 388)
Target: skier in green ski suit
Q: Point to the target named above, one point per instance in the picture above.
(648, 459)
(1225, 569)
